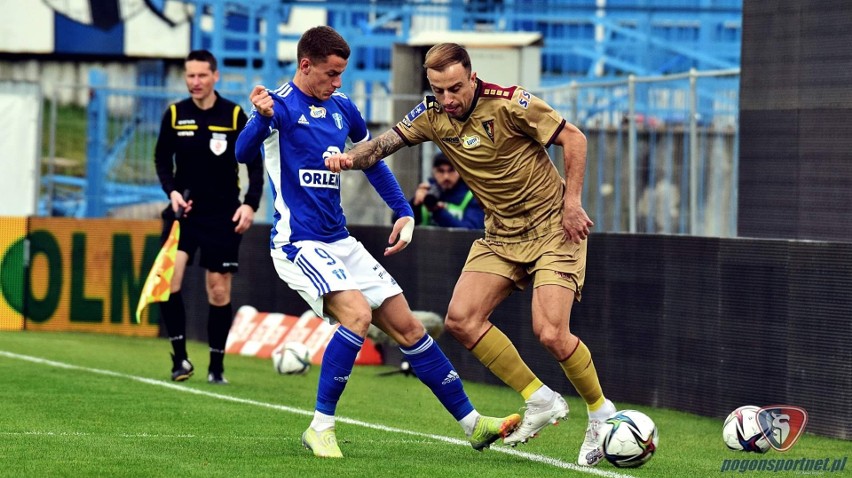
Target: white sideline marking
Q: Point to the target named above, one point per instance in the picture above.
(181, 388)
(85, 434)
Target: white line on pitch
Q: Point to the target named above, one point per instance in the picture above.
(181, 388)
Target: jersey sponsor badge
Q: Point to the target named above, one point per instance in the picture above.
(470, 142)
(219, 143)
(319, 178)
(524, 99)
(317, 111)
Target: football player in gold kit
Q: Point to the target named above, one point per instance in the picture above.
(535, 227)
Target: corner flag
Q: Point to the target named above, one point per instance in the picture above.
(157, 286)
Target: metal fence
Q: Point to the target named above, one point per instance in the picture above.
(119, 178)
(662, 151)
(662, 154)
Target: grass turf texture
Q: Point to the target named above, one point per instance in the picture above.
(104, 406)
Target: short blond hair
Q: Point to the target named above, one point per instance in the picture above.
(442, 55)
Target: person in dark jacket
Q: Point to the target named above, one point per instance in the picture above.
(445, 200)
(195, 155)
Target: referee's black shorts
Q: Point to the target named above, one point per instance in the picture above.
(213, 235)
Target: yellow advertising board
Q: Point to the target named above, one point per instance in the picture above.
(87, 274)
(12, 256)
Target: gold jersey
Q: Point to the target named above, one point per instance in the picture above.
(499, 149)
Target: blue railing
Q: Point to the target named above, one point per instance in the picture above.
(587, 55)
(580, 38)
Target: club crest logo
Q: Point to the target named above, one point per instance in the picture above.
(782, 425)
(488, 126)
(338, 120)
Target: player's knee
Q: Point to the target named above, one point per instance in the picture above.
(553, 338)
(357, 321)
(457, 322)
(411, 334)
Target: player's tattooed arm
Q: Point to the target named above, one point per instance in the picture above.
(367, 154)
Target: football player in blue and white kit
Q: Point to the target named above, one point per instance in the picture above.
(298, 126)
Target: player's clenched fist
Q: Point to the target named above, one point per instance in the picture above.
(338, 162)
(261, 100)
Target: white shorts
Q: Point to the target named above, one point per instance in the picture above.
(320, 268)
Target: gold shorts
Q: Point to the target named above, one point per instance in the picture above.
(551, 259)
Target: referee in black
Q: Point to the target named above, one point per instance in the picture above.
(195, 154)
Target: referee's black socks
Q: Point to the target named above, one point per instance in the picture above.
(173, 314)
(218, 325)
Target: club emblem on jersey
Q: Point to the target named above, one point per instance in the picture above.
(218, 143)
(338, 120)
(489, 129)
(317, 111)
(470, 142)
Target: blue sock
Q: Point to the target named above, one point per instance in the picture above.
(337, 362)
(435, 370)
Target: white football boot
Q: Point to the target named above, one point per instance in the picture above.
(538, 414)
(591, 451)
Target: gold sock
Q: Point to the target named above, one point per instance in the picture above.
(580, 370)
(497, 352)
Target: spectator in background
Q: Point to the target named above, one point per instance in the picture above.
(195, 153)
(445, 200)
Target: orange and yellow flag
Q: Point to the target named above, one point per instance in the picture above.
(157, 286)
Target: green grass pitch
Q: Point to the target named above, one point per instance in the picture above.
(76, 404)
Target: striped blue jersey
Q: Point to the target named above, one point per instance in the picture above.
(302, 132)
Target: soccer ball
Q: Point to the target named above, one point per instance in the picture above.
(629, 438)
(291, 358)
(742, 431)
